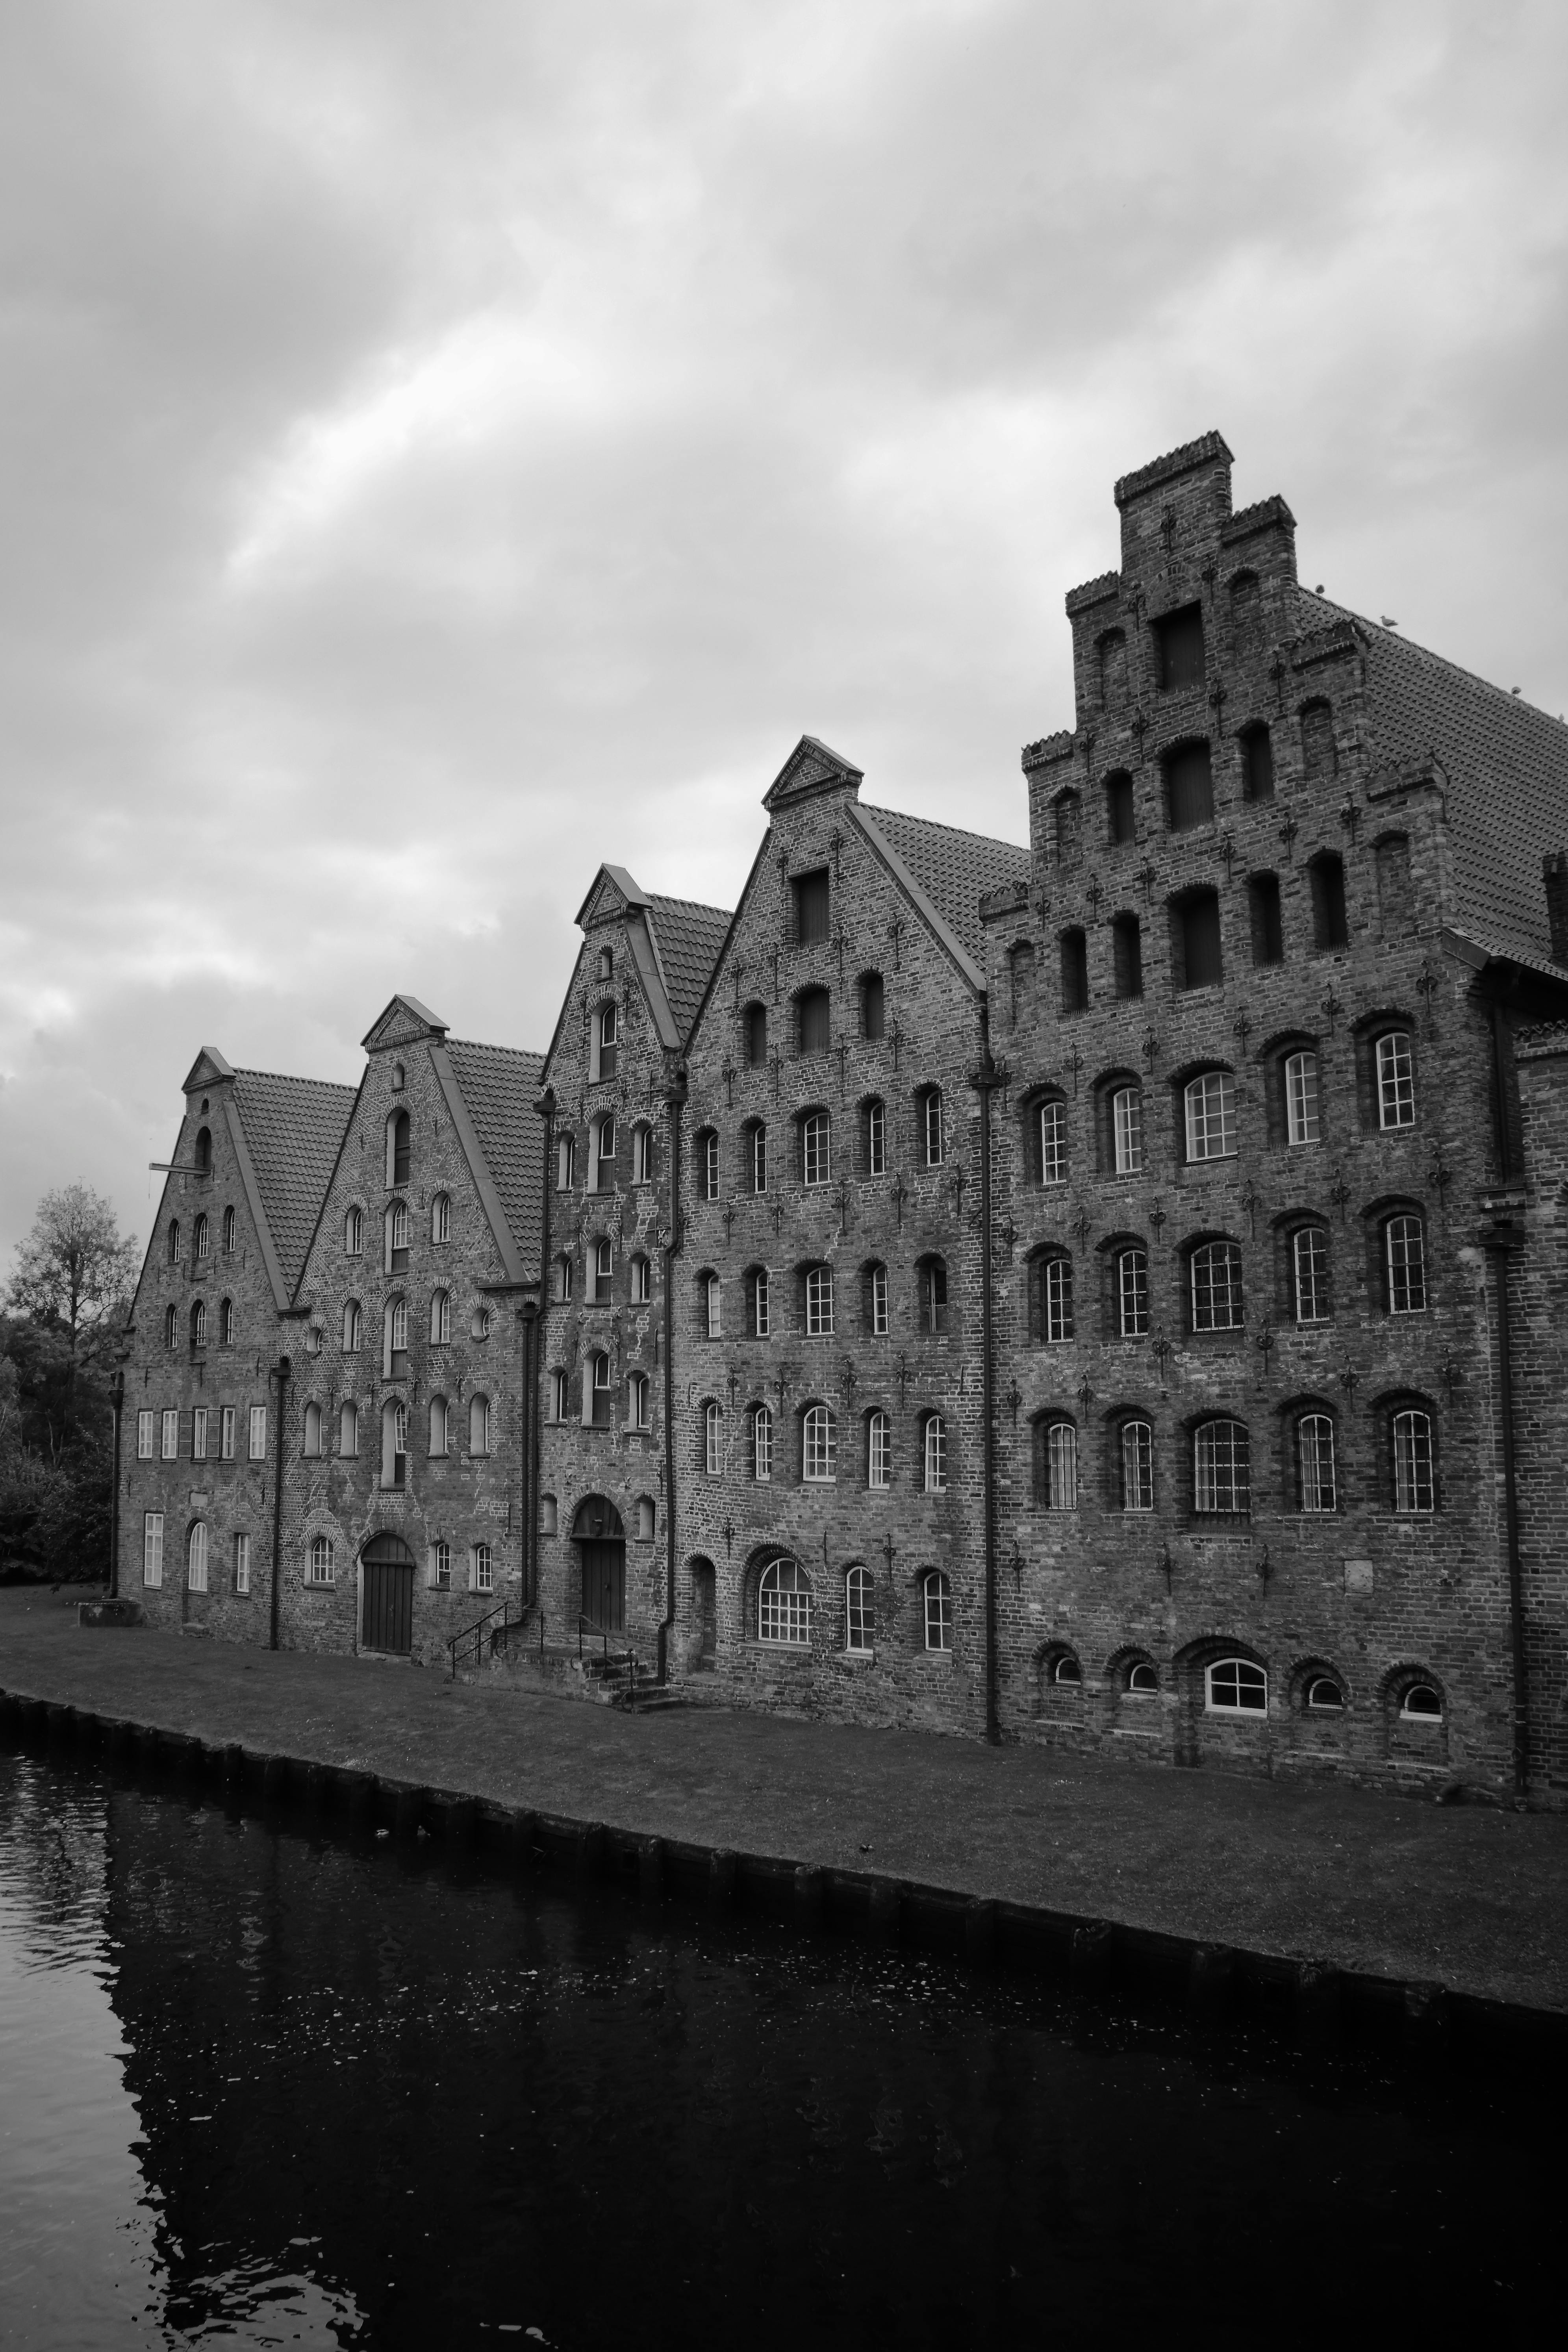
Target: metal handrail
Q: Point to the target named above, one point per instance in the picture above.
(475, 1633)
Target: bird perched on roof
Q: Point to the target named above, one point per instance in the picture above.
(1386, 622)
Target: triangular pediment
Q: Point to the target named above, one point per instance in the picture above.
(404, 1021)
(812, 767)
(207, 1070)
(613, 892)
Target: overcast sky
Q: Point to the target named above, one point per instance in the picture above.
(447, 446)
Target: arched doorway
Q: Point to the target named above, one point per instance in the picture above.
(602, 1549)
(705, 1612)
(386, 1608)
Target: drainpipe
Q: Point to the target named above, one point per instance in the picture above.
(673, 1102)
(280, 1373)
(117, 1401)
(529, 1319)
(1500, 1240)
(986, 1082)
(545, 1107)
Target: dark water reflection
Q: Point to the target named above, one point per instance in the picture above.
(256, 2089)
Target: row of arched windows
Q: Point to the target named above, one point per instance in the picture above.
(602, 1173)
(810, 1147)
(1238, 1685)
(786, 1596)
(395, 1328)
(816, 1429)
(197, 1324)
(812, 1304)
(811, 1020)
(202, 1236)
(440, 1432)
(1216, 1474)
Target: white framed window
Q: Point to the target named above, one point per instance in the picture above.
(763, 1444)
(1404, 1250)
(932, 1128)
(171, 1436)
(172, 1329)
(1059, 1462)
(604, 1272)
(880, 1323)
(152, 1548)
(174, 1241)
(559, 1396)
(878, 1450)
(605, 1035)
(1132, 1293)
(759, 1157)
(1222, 1470)
(713, 1306)
(860, 1612)
(642, 1155)
(441, 1564)
(437, 1427)
(931, 1275)
(640, 1283)
(563, 1279)
(784, 1604)
(1067, 1672)
(1054, 1278)
(1137, 1467)
(1415, 1485)
(354, 1328)
(396, 1337)
(714, 1439)
(228, 1232)
(348, 1429)
(483, 1561)
(1236, 1687)
(196, 1557)
(242, 1565)
(1210, 1104)
(819, 1303)
(1309, 1273)
(321, 1569)
(938, 1597)
(144, 1431)
(199, 1324)
(227, 1421)
(440, 1317)
(1051, 1124)
(1126, 1130)
(395, 1442)
(876, 1140)
(818, 1437)
(312, 1429)
(479, 1421)
(1395, 1080)
(816, 1148)
(226, 1324)
(602, 1153)
(353, 1233)
(565, 1162)
(639, 1401)
(760, 1288)
(708, 1165)
(398, 1237)
(1216, 1287)
(1315, 1462)
(1422, 1702)
(1301, 1100)
(441, 1217)
(203, 1236)
(1142, 1682)
(935, 1454)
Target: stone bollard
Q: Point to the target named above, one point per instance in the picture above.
(980, 1932)
(810, 1896)
(650, 1869)
(1211, 1972)
(721, 1879)
(1090, 1957)
(887, 1910)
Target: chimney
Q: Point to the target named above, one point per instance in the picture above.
(1554, 868)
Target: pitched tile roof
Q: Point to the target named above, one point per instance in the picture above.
(293, 1129)
(499, 1086)
(1507, 765)
(689, 938)
(953, 868)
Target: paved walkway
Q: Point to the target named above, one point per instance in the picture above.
(1470, 1897)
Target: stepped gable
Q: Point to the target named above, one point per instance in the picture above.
(688, 939)
(1507, 769)
(955, 869)
(293, 1130)
(499, 1085)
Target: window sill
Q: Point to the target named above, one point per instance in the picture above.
(856, 1658)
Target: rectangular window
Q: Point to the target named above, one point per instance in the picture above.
(1395, 1081)
(817, 1450)
(242, 1565)
(1414, 1488)
(876, 1140)
(879, 1302)
(713, 1439)
(484, 1569)
(641, 1395)
(225, 1433)
(1222, 1468)
(1406, 1266)
(816, 1145)
(1055, 1300)
(1053, 1142)
(936, 1456)
(1217, 1288)
(144, 1425)
(1132, 1293)
(1061, 1467)
(259, 1432)
(560, 1401)
(763, 1444)
(811, 906)
(819, 1303)
(1310, 1266)
(880, 1452)
(1211, 1117)
(199, 1433)
(1127, 1125)
(715, 1301)
(171, 1437)
(1301, 1099)
(1137, 1467)
(152, 1548)
(761, 1303)
(1179, 639)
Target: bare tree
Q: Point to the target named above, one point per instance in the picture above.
(74, 1266)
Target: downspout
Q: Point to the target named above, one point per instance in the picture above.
(528, 1316)
(985, 1083)
(545, 1107)
(1500, 1240)
(280, 1373)
(117, 1400)
(673, 1101)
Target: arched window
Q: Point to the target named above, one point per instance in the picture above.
(560, 1393)
(348, 1429)
(1189, 787)
(878, 1450)
(1310, 1273)
(605, 968)
(1051, 1297)
(605, 1042)
(440, 1317)
(1326, 875)
(1318, 753)
(816, 1148)
(1121, 824)
(397, 1077)
(1421, 1702)
(1143, 1680)
(437, 1426)
(1236, 1687)
(202, 1236)
(754, 1030)
(1127, 1130)
(1066, 1671)
(353, 1233)
(199, 1324)
(398, 1237)
(1222, 1474)
(228, 1232)
(860, 1612)
(758, 1303)
(203, 1150)
(784, 1604)
(396, 1339)
(1315, 1487)
(757, 1156)
(1132, 1293)
(352, 1328)
(1301, 1099)
(1216, 1287)
(933, 1142)
(876, 1133)
(1068, 814)
(399, 1157)
(565, 1162)
(935, 1452)
(931, 1275)
(602, 1153)
(225, 1323)
(395, 1442)
(714, 1439)
(814, 1027)
(312, 1429)
(937, 1592)
(1055, 1464)
(1405, 1266)
(879, 1321)
(1323, 1696)
(713, 1306)
(706, 1165)
(762, 1442)
(604, 1266)
(818, 1434)
(441, 1565)
(1210, 1104)
(171, 1326)
(1137, 1451)
(1395, 1080)
(320, 1568)
(873, 1006)
(597, 1396)
(1257, 764)
(639, 1401)
(196, 1557)
(562, 1279)
(479, 1424)
(641, 1275)
(642, 1155)
(1075, 970)
(549, 1516)
(1414, 1483)
(441, 1217)
(1050, 1140)
(1198, 959)
(819, 1302)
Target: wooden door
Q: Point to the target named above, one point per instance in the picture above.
(604, 1585)
(388, 1606)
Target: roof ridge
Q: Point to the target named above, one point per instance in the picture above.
(288, 1078)
(483, 1046)
(692, 906)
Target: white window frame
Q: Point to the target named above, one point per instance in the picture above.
(196, 1553)
(1137, 1451)
(353, 1233)
(1406, 1272)
(641, 1287)
(441, 1218)
(440, 1319)
(146, 1431)
(1126, 1130)
(936, 1597)
(242, 1565)
(565, 1162)
(1415, 1462)
(1055, 1300)
(763, 1444)
(1395, 1066)
(879, 1451)
(482, 1567)
(153, 1549)
(708, 1183)
(1302, 1123)
(784, 1609)
(1051, 1120)
(354, 1327)
(1209, 1102)
(933, 1449)
(877, 1139)
(1208, 1485)
(761, 1303)
(1318, 1486)
(170, 1450)
(320, 1562)
(1132, 1292)
(818, 1446)
(1061, 1466)
(1310, 1273)
(933, 1128)
(713, 1438)
(559, 1396)
(229, 1426)
(441, 1565)
(1242, 1678)
(816, 1148)
(819, 1302)
(1215, 1306)
(760, 1156)
(481, 1406)
(879, 1318)
(713, 1306)
(859, 1611)
(638, 1411)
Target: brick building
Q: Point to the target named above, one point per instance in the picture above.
(1103, 1293)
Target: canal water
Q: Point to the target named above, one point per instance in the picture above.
(264, 2087)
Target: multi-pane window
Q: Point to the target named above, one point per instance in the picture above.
(479, 1409)
(860, 1612)
(758, 1303)
(714, 1439)
(933, 1295)
(639, 1404)
(817, 1147)
(640, 1281)
(784, 1603)
(199, 1433)
(878, 1450)
(759, 1157)
(484, 1561)
(1315, 1462)
(170, 1447)
(601, 1148)
(398, 1237)
(320, 1571)
(226, 1433)
(1057, 1465)
(938, 1611)
(199, 1324)
(242, 1565)
(642, 1155)
(1222, 1476)
(762, 1443)
(228, 1230)
(196, 1557)
(440, 1317)
(1137, 1467)
(1216, 1287)
(1236, 1687)
(437, 1427)
(713, 1306)
(875, 1138)
(1301, 1099)
(1051, 1134)
(1406, 1256)
(877, 1301)
(1309, 1273)
(599, 1390)
(202, 1235)
(441, 1564)
(152, 1548)
(1415, 1488)
(935, 1454)
(353, 1233)
(397, 1335)
(604, 1267)
(559, 1396)
(1132, 1293)
(1211, 1116)
(1395, 1080)
(819, 1303)
(1051, 1281)
(931, 1126)
(145, 1424)
(565, 1162)
(226, 1324)
(817, 1440)
(348, 1430)
(1126, 1130)
(604, 1042)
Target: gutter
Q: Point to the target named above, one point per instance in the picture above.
(1500, 1240)
(674, 1102)
(117, 1401)
(280, 1373)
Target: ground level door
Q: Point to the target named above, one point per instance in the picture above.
(388, 1620)
(604, 1585)
(705, 1597)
